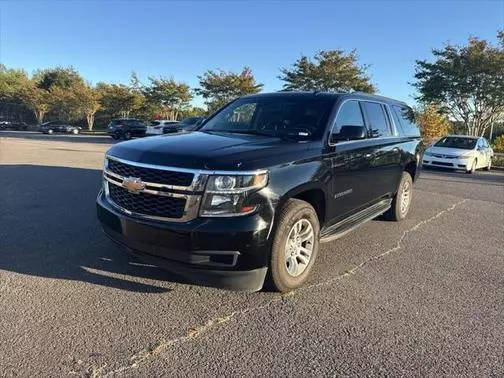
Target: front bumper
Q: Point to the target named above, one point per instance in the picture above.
(229, 253)
(450, 163)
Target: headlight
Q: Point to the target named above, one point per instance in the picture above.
(225, 195)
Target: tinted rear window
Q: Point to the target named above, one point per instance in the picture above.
(378, 123)
(405, 119)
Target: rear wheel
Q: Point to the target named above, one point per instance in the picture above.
(402, 200)
(75, 131)
(295, 246)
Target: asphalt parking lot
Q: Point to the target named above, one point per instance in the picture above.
(421, 297)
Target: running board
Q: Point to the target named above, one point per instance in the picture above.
(343, 227)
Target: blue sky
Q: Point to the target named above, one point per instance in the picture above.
(105, 41)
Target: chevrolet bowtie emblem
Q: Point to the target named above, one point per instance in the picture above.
(133, 184)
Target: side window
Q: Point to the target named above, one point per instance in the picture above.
(349, 114)
(242, 114)
(377, 119)
(405, 118)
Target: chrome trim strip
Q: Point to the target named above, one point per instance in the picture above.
(198, 182)
(188, 170)
(190, 211)
(150, 191)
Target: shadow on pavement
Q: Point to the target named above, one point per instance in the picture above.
(478, 177)
(48, 228)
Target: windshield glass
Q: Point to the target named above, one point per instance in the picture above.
(189, 120)
(457, 142)
(275, 116)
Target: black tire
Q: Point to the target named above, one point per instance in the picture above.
(473, 167)
(399, 210)
(293, 212)
(127, 135)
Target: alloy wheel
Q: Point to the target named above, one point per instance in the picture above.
(405, 197)
(299, 247)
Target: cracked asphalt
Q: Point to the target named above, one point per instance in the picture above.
(424, 297)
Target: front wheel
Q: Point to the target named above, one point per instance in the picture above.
(75, 131)
(295, 246)
(402, 200)
(473, 167)
(127, 135)
(49, 131)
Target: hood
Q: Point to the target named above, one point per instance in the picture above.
(212, 150)
(449, 151)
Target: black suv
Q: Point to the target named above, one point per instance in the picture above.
(251, 195)
(59, 127)
(126, 128)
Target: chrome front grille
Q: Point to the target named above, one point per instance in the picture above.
(163, 193)
(442, 156)
(148, 204)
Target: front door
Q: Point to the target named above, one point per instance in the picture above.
(350, 162)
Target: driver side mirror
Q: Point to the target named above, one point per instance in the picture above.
(349, 132)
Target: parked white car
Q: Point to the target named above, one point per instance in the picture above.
(459, 152)
(162, 126)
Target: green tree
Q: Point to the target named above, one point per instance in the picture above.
(499, 144)
(119, 99)
(467, 81)
(333, 70)
(12, 84)
(63, 77)
(87, 101)
(218, 88)
(433, 124)
(37, 99)
(168, 96)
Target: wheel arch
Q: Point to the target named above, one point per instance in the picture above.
(315, 195)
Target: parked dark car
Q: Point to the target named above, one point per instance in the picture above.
(13, 125)
(126, 128)
(191, 123)
(59, 127)
(251, 195)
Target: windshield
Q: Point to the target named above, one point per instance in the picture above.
(275, 116)
(190, 120)
(456, 142)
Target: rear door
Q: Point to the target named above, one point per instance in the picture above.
(385, 160)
